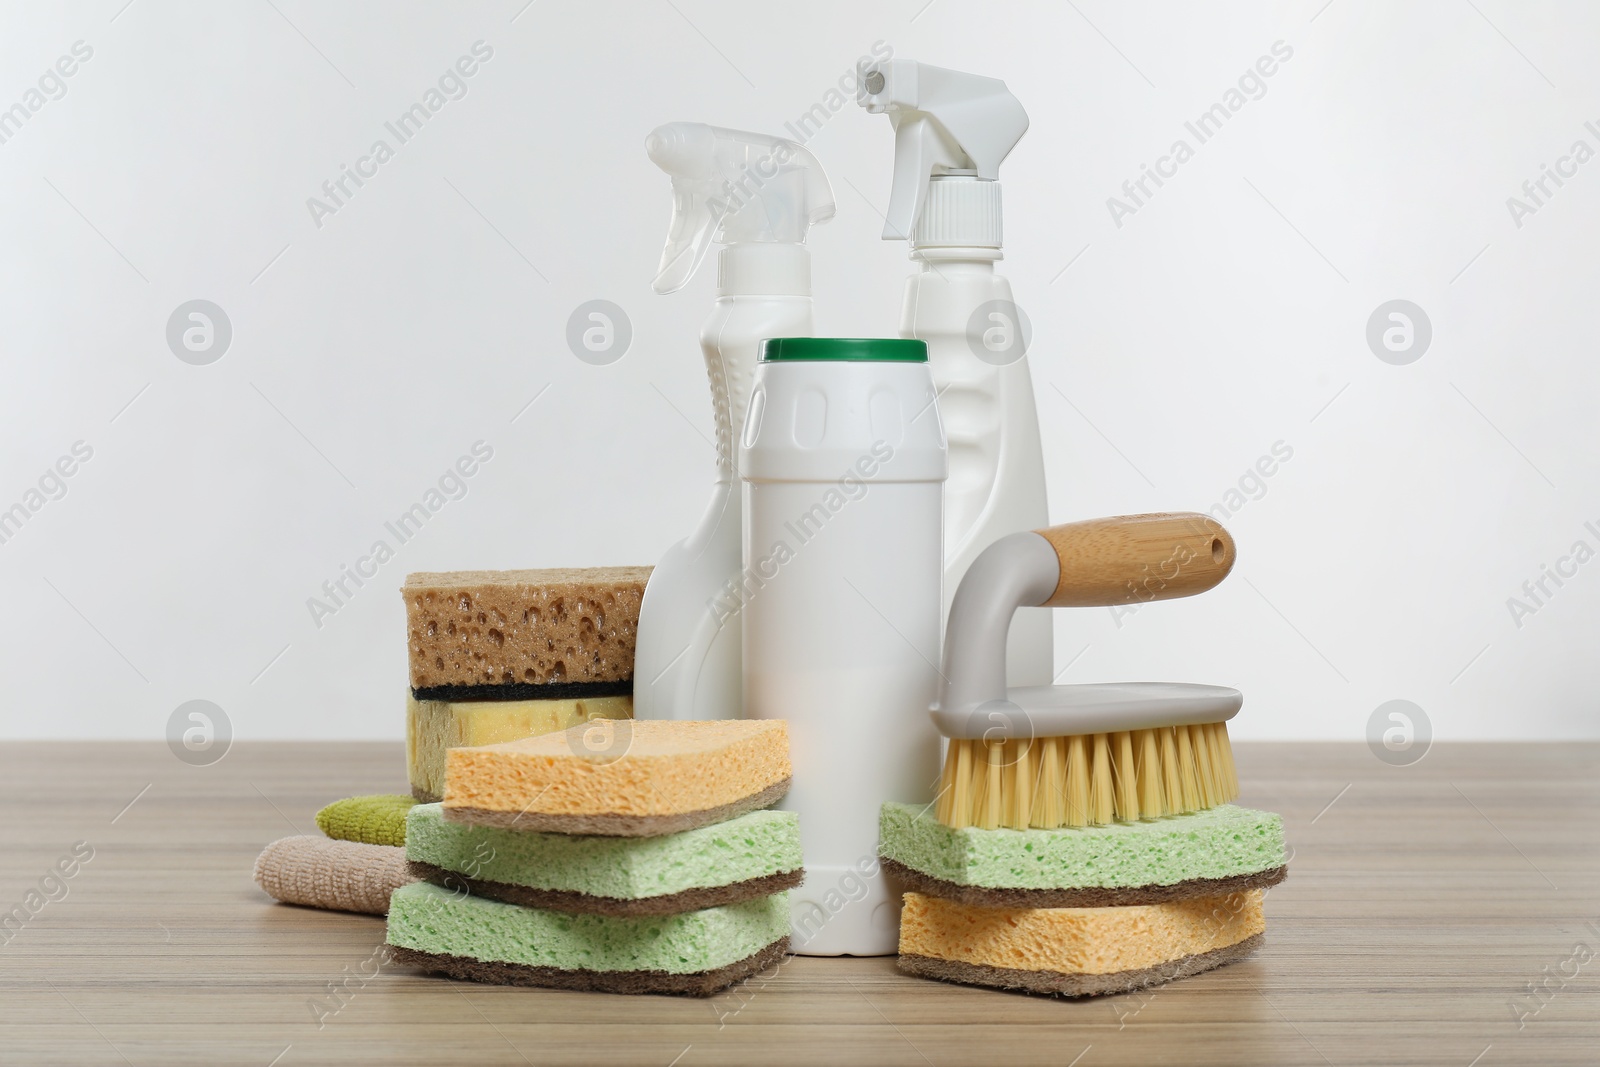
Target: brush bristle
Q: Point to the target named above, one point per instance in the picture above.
(1086, 780)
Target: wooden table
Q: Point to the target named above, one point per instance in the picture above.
(1421, 904)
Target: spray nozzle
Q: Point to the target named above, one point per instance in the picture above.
(946, 123)
(732, 187)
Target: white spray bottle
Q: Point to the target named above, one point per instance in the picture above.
(952, 130)
(757, 196)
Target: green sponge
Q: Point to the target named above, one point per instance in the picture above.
(374, 820)
(754, 854)
(1219, 850)
(696, 952)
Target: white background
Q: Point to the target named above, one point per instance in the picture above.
(369, 353)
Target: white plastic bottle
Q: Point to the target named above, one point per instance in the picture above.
(843, 462)
(952, 130)
(758, 196)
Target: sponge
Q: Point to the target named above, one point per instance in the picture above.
(624, 778)
(1220, 850)
(521, 635)
(1076, 951)
(753, 855)
(432, 726)
(696, 953)
(374, 820)
(337, 875)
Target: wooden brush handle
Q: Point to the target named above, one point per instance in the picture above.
(1130, 559)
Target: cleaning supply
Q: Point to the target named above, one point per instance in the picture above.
(1076, 755)
(372, 820)
(502, 655)
(1082, 843)
(757, 196)
(623, 857)
(435, 726)
(553, 634)
(951, 132)
(1077, 951)
(627, 778)
(754, 855)
(843, 461)
(1221, 850)
(695, 953)
(318, 872)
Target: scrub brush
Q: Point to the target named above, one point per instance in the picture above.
(1080, 755)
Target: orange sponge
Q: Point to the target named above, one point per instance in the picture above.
(621, 778)
(1076, 951)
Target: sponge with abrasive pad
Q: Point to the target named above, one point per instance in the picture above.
(753, 855)
(550, 634)
(1076, 951)
(624, 778)
(435, 726)
(696, 953)
(1223, 849)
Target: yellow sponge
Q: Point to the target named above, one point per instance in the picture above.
(434, 726)
(1076, 951)
(627, 778)
(374, 820)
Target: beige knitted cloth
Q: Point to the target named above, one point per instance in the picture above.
(338, 875)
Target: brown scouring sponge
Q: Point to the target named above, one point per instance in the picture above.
(533, 634)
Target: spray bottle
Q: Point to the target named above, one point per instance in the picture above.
(757, 196)
(952, 130)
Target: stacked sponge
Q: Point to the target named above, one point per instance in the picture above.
(494, 656)
(1081, 910)
(627, 857)
(501, 655)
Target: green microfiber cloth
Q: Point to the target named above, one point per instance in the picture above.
(430, 919)
(1222, 842)
(757, 844)
(374, 820)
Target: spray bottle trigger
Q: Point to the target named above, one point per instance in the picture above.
(688, 240)
(945, 122)
(918, 151)
(733, 187)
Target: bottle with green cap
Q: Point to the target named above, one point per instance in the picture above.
(843, 462)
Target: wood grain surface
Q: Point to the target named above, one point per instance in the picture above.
(1423, 904)
(1133, 559)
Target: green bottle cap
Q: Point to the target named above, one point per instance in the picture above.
(849, 349)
